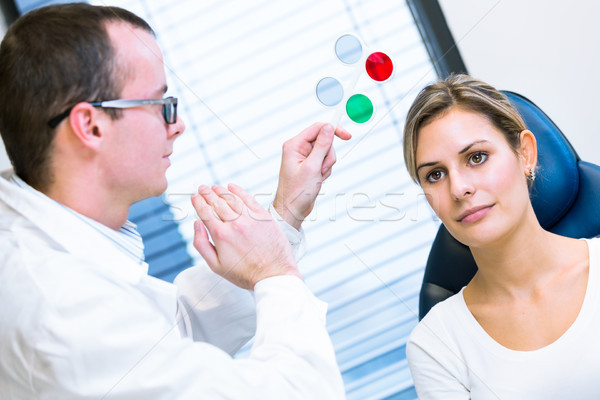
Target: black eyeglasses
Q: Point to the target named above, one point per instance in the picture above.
(169, 108)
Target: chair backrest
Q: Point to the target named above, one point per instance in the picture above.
(565, 197)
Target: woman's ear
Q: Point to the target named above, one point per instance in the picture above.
(86, 126)
(528, 150)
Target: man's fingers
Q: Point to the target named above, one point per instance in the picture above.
(219, 205)
(204, 211)
(330, 159)
(232, 200)
(303, 142)
(248, 200)
(322, 145)
(204, 246)
(308, 138)
(311, 133)
(342, 133)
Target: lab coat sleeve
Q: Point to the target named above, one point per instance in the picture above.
(213, 310)
(296, 237)
(123, 349)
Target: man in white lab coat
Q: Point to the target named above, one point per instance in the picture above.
(79, 315)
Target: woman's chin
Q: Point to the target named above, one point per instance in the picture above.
(475, 236)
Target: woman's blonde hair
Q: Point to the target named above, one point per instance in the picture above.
(468, 94)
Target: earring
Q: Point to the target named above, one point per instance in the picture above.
(531, 175)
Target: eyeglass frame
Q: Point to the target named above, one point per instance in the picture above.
(127, 103)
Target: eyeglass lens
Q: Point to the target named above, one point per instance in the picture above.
(170, 113)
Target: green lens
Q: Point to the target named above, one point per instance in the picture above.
(359, 108)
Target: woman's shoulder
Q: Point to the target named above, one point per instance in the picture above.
(442, 319)
(594, 242)
(593, 245)
(439, 340)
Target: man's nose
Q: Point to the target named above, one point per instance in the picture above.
(177, 128)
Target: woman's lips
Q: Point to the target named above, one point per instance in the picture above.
(474, 214)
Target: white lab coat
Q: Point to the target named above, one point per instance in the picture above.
(81, 320)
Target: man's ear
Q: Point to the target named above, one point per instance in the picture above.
(86, 124)
(528, 150)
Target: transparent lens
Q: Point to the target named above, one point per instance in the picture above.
(348, 49)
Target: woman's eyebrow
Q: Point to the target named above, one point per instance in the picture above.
(471, 145)
(428, 164)
(431, 163)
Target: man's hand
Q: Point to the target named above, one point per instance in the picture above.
(306, 162)
(248, 244)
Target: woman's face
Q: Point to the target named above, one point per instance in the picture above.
(472, 178)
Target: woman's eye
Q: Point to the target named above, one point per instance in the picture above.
(478, 158)
(435, 176)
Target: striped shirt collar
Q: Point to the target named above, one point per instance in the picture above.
(127, 239)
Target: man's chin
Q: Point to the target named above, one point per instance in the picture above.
(157, 190)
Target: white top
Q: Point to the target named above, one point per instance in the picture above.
(452, 357)
(80, 319)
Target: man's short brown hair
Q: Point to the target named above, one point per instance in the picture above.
(51, 59)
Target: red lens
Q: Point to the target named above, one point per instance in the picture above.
(379, 66)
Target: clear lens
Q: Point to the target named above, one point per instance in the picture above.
(348, 49)
(330, 91)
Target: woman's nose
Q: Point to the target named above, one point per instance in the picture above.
(460, 185)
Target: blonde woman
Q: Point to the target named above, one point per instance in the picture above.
(527, 325)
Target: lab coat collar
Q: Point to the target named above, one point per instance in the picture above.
(68, 231)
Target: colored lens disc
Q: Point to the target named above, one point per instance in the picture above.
(348, 49)
(379, 66)
(330, 91)
(359, 108)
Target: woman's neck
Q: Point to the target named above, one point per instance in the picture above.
(516, 263)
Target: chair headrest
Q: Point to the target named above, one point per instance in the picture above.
(557, 180)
